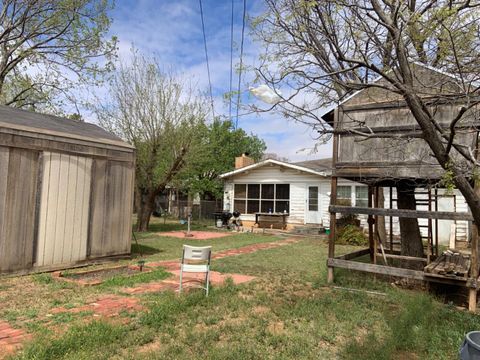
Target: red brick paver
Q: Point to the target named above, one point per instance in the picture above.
(196, 235)
(10, 339)
(108, 306)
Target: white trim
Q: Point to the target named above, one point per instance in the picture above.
(274, 162)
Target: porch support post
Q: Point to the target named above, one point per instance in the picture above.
(472, 293)
(371, 241)
(333, 229)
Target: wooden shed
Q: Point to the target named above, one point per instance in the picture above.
(378, 142)
(66, 192)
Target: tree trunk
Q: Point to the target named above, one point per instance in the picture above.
(381, 231)
(145, 209)
(411, 239)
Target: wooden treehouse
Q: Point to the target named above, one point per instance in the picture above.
(400, 169)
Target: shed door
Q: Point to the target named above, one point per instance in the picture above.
(313, 206)
(64, 204)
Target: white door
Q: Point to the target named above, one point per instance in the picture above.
(444, 226)
(313, 213)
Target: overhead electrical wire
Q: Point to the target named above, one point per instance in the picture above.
(230, 95)
(206, 57)
(241, 60)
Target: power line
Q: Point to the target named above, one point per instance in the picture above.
(241, 59)
(206, 57)
(231, 67)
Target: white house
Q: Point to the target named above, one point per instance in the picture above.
(300, 189)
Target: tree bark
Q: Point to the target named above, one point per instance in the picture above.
(411, 239)
(145, 209)
(381, 231)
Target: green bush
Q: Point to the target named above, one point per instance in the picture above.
(351, 235)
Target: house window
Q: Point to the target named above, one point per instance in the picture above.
(253, 198)
(313, 198)
(361, 196)
(344, 195)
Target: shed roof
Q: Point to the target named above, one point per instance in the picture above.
(311, 169)
(23, 120)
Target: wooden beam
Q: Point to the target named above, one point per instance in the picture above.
(415, 214)
(401, 257)
(376, 269)
(370, 221)
(354, 255)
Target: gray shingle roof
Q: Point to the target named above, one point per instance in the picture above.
(316, 165)
(17, 118)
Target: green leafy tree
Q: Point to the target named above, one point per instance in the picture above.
(50, 47)
(162, 117)
(220, 143)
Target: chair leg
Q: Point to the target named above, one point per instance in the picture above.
(208, 281)
(181, 273)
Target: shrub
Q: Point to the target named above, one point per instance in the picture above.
(351, 235)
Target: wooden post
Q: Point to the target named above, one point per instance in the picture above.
(391, 219)
(436, 223)
(333, 228)
(429, 230)
(375, 226)
(333, 195)
(472, 293)
(370, 225)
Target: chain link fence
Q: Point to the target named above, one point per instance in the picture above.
(201, 210)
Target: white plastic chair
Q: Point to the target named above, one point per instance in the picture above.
(196, 260)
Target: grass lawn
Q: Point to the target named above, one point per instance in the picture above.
(288, 312)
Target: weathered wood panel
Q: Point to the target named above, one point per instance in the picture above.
(413, 214)
(62, 233)
(110, 221)
(12, 138)
(20, 170)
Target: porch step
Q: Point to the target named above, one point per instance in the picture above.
(309, 230)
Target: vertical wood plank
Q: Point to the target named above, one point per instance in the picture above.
(4, 164)
(85, 174)
(97, 208)
(70, 238)
(51, 214)
(61, 209)
(19, 210)
(43, 213)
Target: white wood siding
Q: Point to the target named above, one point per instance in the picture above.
(299, 182)
(63, 217)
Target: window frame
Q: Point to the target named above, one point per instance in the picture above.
(350, 201)
(260, 199)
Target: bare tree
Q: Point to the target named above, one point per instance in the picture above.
(158, 114)
(48, 47)
(318, 52)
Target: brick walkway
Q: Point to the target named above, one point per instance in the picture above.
(112, 305)
(10, 339)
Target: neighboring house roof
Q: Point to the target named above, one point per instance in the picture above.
(23, 120)
(319, 165)
(309, 168)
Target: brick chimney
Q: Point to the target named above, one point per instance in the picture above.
(242, 161)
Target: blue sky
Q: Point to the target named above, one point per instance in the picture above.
(171, 32)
